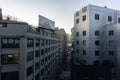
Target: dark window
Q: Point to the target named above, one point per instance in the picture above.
(42, 42)
(42, 61)
(77, 34)
(97, 33)
(97, 52)
(118, 20)
(30, 42)
(37, 53)
(111, 53)
(114, 75)
(9, 59)
(96, 62)
(10, 43)
(84, 42)
(84, 33)
(37, 42)
(77, 50)
(109, 18)
(29, 70)
(42, 51)
(37, 77)
(37, 65)
(96, 16)
(97, 42)
(84, 52)
(84, 18)
(77, 42)
(77, 21)
(111, 33)
(30, 56)
(42, 72)
(110, 42)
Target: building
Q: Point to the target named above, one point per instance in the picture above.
(95, 37)
(28, 53)
(63, 44)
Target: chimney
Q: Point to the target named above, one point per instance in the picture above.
(0, 14)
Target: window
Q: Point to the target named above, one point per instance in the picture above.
(10, 43)
(77, 42)
(111, 53)
(111, 32)
(42, 61)
(77, 13)
(96, 62)
(77, 21)
(9, 59)
(42, 42)
(109, 18)
(29, 70)
(118, 20)
(42, 51)
(37, 53)
(37, 65)
(30, 42)
(110, 42)
(97, 43)
(77, 34)
(30, 56)
(84, 33)
(96, 16)
(97, 33)
(84, 52)
(84, 18)
(77, 50)
(37, 42)
(97, 53)
(84, 42)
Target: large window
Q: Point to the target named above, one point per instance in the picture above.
(96, 16)
(30, 42)
(30, 56)
(9, 59)
(10, 43)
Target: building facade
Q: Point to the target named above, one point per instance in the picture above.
(95, 38)
(28, 53)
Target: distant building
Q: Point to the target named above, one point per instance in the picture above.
(28, 53)
(63, 44)
(95, 37)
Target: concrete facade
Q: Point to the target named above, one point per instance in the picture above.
(28, 53)
(95, 37)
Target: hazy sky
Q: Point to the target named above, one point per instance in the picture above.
(60, 11)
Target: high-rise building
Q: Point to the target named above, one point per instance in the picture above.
(28, 53)
(96, 37)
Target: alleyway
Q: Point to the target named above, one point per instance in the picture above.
(65, 75)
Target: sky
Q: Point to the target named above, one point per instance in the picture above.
(60, 11)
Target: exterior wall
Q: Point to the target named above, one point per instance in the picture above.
(50, 57)
(90, 25)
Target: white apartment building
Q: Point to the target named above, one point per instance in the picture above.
(96, 38)
(27, 53)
